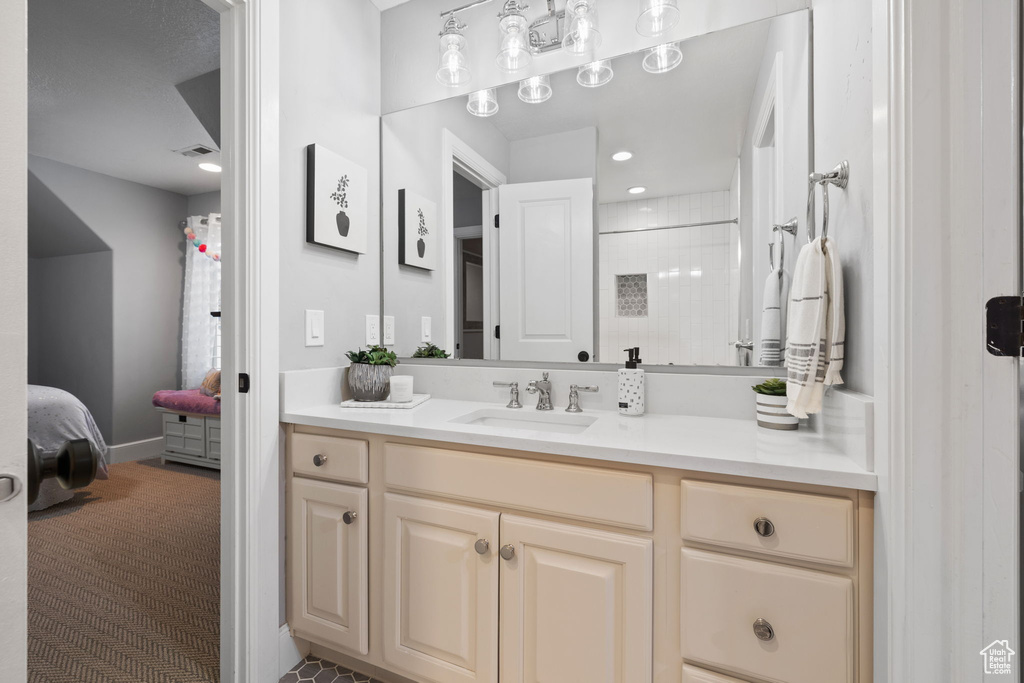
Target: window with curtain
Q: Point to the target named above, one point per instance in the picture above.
(200, 331)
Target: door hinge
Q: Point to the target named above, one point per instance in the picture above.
(497, 331)
(496, 221)
(1004, 332)
(243, 383)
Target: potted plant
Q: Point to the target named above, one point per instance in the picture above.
(771, 405)
(421, 246)
(369, 376)
(429, 350)
(340, 197)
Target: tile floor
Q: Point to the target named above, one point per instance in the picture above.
(316, 670)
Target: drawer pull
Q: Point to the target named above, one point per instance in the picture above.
(319, 460)
(764, 527)
(482, 546)
(348, 517)
(507, 551)
(763, 630)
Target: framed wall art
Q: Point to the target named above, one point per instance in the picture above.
(417, 231)
(336, 201)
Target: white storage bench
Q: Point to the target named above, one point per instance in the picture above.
(192, 439)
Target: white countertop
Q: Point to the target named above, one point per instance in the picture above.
(704, 444)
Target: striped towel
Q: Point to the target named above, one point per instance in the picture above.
(817, 327)
(773, 318)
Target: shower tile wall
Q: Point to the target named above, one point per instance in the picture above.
(692, 279)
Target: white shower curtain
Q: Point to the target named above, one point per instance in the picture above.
(202, 295)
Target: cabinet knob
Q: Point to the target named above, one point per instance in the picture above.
(319, 460)
(348, 517)
(482, 546)
(763, 630)
(507, 551)
(764, 527)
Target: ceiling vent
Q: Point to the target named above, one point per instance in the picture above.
(196, 150)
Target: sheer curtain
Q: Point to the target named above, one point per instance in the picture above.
(199, 329)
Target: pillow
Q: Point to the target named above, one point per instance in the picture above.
(211, 384)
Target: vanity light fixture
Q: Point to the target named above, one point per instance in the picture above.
(622, 156)
(639, 189)
(594, 75)
(452, 71)
(535, 89)
(483, 103)
(212, 168)
(514, 53)
(583, 36)
(662, 58)
(657, 17)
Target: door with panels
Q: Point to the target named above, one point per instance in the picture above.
(441, 590)
(576, 604)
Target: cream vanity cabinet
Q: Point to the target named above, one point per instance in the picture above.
(490, 566)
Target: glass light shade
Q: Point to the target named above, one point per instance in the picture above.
(662, 58)
(657, 17)
(514, 53)
(595, 74)
(451, 69)
(582, 36)
(483, 103)
(535, 90)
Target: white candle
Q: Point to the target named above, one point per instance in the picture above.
(401, 388)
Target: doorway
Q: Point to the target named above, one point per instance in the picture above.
(470, 273)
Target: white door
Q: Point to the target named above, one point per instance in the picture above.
(440, 590)
(576, 604)
(546, 274)
(327, 560)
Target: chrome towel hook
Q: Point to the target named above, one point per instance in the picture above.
(838, 176)
(790, 227)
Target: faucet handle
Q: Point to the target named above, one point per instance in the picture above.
(513, 393)
(574, 397)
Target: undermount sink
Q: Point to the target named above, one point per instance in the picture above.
(527, 419)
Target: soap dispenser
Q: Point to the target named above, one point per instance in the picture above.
(631, 385)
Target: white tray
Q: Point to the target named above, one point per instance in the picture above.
(417, 399)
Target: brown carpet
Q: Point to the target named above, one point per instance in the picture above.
(124, 580)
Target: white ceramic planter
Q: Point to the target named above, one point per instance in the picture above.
(772, 414)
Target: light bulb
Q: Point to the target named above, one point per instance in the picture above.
(452, 71)
(582, 37)
(595, 74)
(662, 58)
(657, 17)
(483, 103)
(514, 53)
(535, 90)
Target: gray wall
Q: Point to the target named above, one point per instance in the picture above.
(71, 329)
(559, 156)
(140, 224)
(204, 204)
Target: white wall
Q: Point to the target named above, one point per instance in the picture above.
(559, 156)
(409, 45)
(204, 204)
(330, 95)
(412, 160)
(140, 224)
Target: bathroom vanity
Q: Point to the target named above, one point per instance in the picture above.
(440, 544)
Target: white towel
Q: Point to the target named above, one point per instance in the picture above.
(773, 318)
(817, 327)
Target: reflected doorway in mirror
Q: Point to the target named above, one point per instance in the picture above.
(417, 231)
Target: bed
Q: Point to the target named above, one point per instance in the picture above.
(56, 416)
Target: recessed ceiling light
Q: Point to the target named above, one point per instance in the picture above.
(207, 166)
(622, 156)
(639, 189)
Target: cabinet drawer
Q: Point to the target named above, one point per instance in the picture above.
(624, 499)
(184, 434)
(692, 674)
(810, 614)
(803, 526)
(341, 459)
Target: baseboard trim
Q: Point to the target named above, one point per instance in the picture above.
(291, 650)
(136, 450)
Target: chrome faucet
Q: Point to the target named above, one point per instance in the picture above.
(574, 397)
(543, 388)
(513, 393)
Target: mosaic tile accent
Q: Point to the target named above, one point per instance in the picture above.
(631, 295)
(316, 670)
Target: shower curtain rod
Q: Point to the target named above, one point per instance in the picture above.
(671, 227)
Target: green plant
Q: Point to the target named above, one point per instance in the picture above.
(429, 350)
(771, 387)
(375, 355)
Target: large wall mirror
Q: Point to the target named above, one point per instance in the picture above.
(640, 213)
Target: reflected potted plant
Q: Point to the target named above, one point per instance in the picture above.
(340, 197)
(369, 375)
(421, 246)
(771, 405)
(429, 350)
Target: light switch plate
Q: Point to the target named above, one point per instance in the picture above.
(372, 330)
(314, 328)
(389, 330)
(425, 329)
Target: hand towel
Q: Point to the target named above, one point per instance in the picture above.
(817, 327)
(773, 318)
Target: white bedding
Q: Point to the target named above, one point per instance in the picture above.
(56, 416)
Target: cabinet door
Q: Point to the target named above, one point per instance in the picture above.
(327, 564)
(576, 604)
(440, 590)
